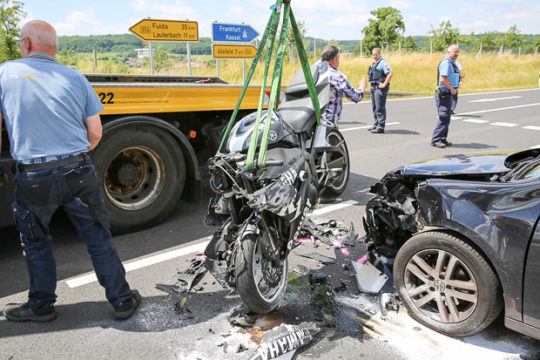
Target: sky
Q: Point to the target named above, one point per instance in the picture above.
(325, 19)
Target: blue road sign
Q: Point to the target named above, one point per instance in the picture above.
(233, 33)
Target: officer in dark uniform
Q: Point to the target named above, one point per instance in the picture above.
(380, 74)
(448, 82)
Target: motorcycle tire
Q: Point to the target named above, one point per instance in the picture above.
(249, 263)
(337, 185)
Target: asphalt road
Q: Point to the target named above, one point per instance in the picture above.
(84, 329)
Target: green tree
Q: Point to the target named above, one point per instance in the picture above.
(160, 58)
(409, 44)
(67, 56)
(11, 13)
(290, 37)
(444, 36)
(512, 38)
(386, 27)
(490, 41)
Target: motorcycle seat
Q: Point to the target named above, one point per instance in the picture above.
(298, 114)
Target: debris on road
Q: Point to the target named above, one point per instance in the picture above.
(192, 274)
(283, 341)
(329, 232)
(389, 301)
(368, 278)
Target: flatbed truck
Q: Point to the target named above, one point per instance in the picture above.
(156, 132)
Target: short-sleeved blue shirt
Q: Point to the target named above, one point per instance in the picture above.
(383, 66)
(45, 105)
(446, 69)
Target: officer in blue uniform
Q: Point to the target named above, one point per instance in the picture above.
(52, 119)
(380, 74)
(448, 82)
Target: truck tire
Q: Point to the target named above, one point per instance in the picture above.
(143, 172)
(446, 284)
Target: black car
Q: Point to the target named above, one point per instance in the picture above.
(464, 238)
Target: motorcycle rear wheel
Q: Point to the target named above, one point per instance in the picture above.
(258, 293)
(337, 184)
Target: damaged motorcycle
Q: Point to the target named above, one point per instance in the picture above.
(264, 209)
(271, 169)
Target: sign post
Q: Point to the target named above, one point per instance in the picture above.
(166, 30)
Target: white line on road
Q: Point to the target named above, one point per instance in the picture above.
(431, 96)
(494, 99)
(530, 127)
(505, 124)
(335, 207)
(195, 246)
(499, 109)
(367, 126)
(476, 121)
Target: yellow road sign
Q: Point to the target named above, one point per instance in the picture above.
(220, 51)
(166, 30)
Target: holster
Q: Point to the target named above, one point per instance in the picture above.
(443, 94)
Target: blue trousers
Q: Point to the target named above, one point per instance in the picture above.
(74, 184)
(444, 108)
(378, 105)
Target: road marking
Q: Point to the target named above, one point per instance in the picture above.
(335, 207)
(505, 124)
(494, 99)
(499, 109)
(530, 127)
(431, 96)
(476, 121)
(367, 127)
(195, 246)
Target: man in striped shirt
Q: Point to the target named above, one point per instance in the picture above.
(339, 85)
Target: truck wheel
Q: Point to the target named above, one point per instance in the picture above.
(446, 284)
(143, 172)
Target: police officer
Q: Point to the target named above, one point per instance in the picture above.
(52, 120)
(448, 82)
(380, 74)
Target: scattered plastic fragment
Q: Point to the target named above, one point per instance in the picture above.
(191, 275)
(368, 278)
(388, 302)
(283, 341)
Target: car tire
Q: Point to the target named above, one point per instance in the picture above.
(446, 284)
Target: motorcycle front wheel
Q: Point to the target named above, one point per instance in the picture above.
(260, 282)
(338, 164)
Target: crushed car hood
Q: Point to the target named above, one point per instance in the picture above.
(455, 165)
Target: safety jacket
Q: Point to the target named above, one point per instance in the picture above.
(456, 71)
(376, 76)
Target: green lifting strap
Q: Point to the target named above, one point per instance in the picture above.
(269, 37)
(276, 81)
(272, 23)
